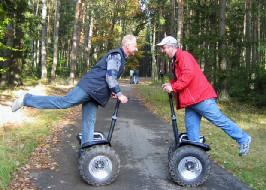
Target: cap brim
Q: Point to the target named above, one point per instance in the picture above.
(160, 44)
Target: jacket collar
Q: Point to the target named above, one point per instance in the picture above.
(123, 53)
(177, 55)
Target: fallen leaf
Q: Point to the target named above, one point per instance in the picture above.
(250, 166)
(21, 146)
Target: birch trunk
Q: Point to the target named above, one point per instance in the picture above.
(43, 50)
(56, 28)
(180, 22)
(88, 36)
(73, 55)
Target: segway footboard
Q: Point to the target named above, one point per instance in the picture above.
(183, 140)
(203, 146)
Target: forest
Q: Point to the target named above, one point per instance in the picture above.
(52, 39)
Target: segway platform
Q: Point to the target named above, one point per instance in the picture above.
(99, 164)
(189, 165)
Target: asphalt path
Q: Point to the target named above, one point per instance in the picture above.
(141, 140)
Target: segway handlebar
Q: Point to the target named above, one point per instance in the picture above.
(114, 118)
(173, 116)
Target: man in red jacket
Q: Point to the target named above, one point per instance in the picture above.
(194, 93)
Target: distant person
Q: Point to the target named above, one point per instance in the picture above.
(95, 88)
(131, 72)
(194, 93)
(135, 76)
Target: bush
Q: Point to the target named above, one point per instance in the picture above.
(248, 89)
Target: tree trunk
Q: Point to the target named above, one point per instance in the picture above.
(43, 50)
(180, 22)
(173, 15)
(111, 30)
(80, 33)
(259, 25)
(74, 51)
(88, 36)
(48, 26)
(247, 33)
(36, 42)
(254, 38)
(264, 34)
(16, 66)
(222, 58)
(56, 28)
(210, 62)
(154, 65)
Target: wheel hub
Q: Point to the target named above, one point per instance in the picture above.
(100, 167)
(190, 167)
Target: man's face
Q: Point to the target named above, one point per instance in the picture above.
(167, 51)
(132, 48)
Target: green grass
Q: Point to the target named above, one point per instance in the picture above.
(18, 141)
(251, 168)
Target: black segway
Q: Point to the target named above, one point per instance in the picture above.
(99, 164)
(189, 165)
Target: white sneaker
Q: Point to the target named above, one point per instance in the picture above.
(244, 148)
(18, 103)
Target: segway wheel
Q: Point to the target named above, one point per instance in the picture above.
(189, 166)
(171, 149)
(99, 165)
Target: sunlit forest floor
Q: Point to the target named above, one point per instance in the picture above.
(250, 168)
(23, 131)
(28, 135)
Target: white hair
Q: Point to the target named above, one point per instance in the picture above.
(175, 45)
(127, 39)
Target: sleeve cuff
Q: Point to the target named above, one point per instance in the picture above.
(118, 94)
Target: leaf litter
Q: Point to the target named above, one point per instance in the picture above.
(42, 157)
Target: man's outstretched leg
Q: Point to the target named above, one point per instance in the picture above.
(75, 97)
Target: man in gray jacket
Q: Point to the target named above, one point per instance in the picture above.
(95, 88)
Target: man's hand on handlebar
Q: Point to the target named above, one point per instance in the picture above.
(123, 98)
(167, 87)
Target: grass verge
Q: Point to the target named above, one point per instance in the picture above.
(251, 168)
(19, 140)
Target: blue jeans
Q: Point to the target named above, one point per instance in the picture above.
(75, 97)
(212, 113)
(135, 79)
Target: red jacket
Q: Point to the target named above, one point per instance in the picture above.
(192, 85)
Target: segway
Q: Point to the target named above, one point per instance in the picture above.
(189, 165)
(99, 164)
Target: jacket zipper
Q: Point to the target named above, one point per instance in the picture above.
(191, 95)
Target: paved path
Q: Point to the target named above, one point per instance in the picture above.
(140, 138)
